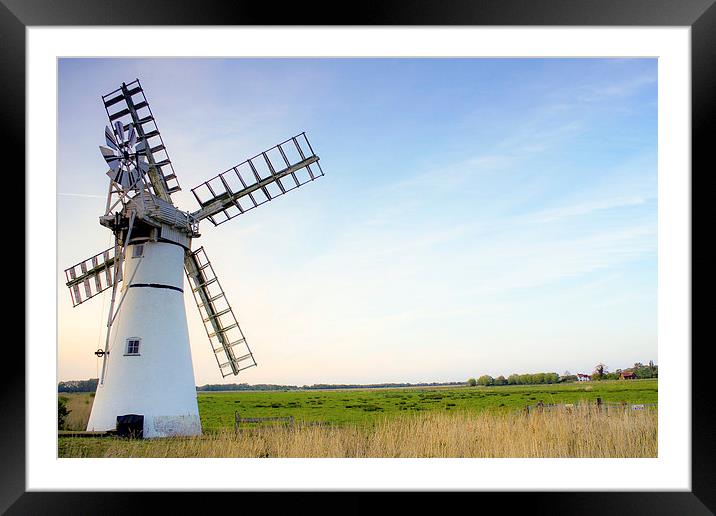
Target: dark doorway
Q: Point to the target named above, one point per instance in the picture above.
(130, 425)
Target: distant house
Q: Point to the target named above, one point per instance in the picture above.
(627, 375)
(583, 377)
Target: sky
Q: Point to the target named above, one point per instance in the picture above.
(477, 216)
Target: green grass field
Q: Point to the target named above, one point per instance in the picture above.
(366, 406)
(362, 406)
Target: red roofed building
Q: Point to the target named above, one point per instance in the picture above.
(627, 375)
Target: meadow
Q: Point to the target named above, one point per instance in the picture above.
(405, 422)
(358, 406)
(366, 406)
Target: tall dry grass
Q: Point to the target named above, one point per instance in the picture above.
(579, 432)
(80, 405)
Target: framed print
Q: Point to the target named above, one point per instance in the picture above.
(489, 200)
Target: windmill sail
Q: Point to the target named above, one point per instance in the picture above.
(91, 276)
(257, 180)
(227, 341)
(127, 108)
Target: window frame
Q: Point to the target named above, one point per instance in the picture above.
(138, 340)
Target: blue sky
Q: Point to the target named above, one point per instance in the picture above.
(478, 216)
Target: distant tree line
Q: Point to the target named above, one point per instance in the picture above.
(651, 370)
(78, 385)
(601, 372)
(516, 379)
(245, 387)
(317, 386)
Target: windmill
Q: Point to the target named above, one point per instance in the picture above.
(147, 380)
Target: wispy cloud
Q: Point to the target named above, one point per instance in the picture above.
(623, 88)
(586, 208)
(90, 196)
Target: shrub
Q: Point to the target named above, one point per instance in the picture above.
(62, 412)
(486, 380)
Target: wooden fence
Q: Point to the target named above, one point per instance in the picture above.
(238, 420)
(598, 404)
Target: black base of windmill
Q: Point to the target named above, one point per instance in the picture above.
(131, 426)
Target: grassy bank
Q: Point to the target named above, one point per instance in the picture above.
(582, 431)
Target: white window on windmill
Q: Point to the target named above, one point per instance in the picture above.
(138, 251)
(132, 346)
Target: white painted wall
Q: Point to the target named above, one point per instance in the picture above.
(159, 383)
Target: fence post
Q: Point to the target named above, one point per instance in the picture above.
(237, 419)
(599, 403)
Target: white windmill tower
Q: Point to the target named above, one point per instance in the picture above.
(147, 380)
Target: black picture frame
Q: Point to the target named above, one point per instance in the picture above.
(699, 15)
